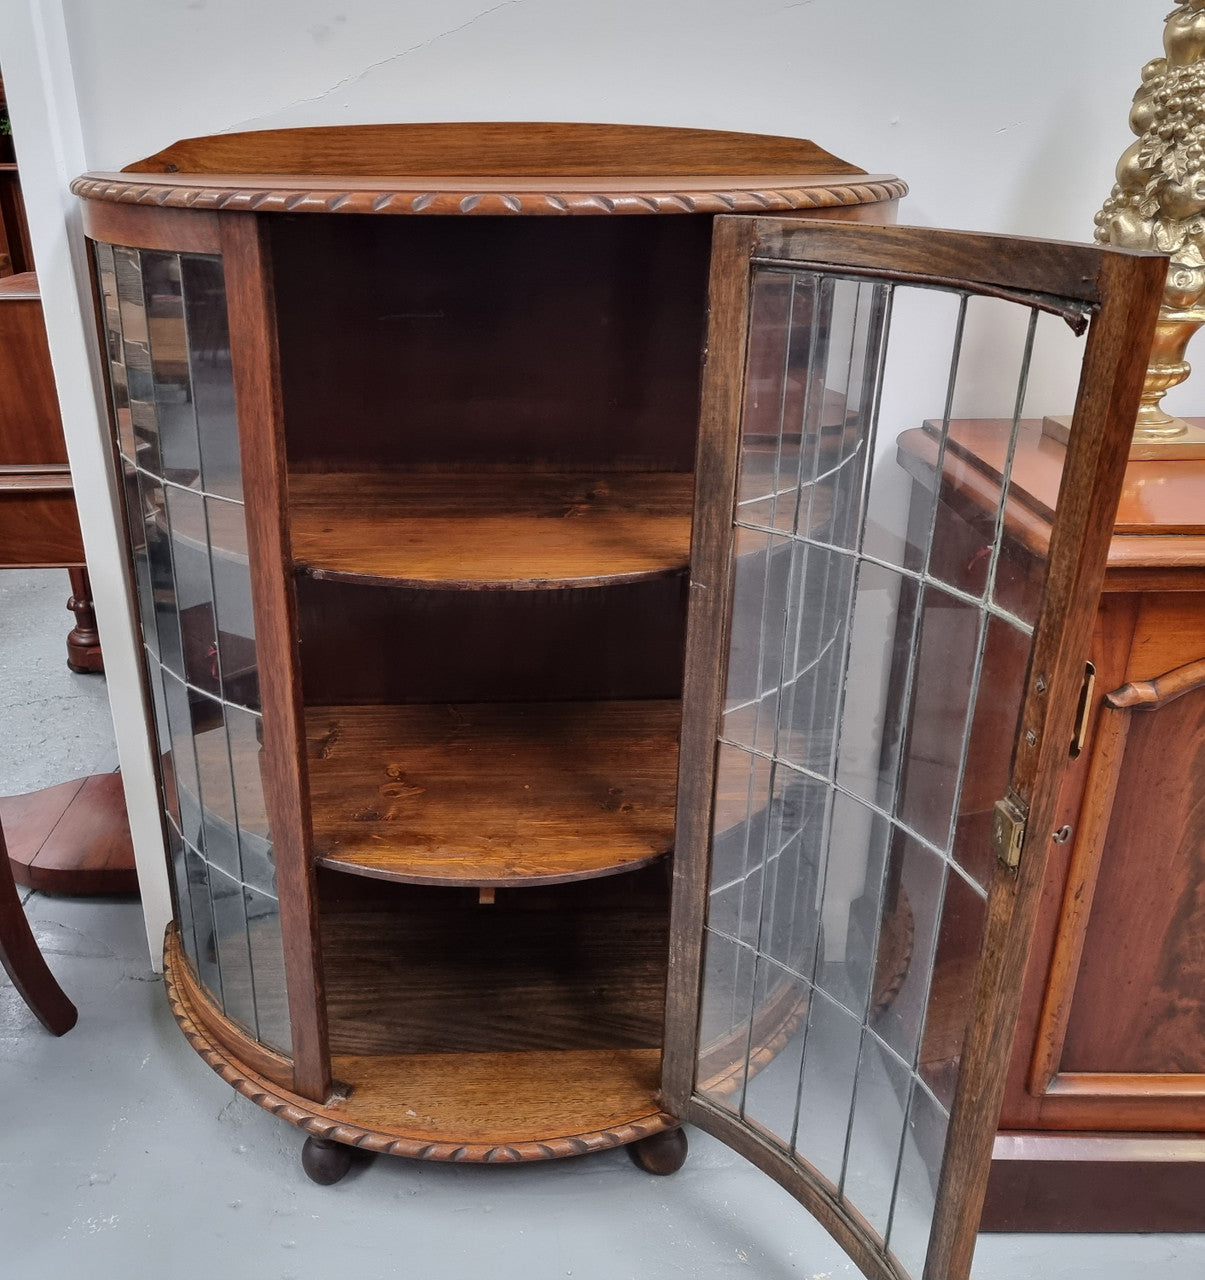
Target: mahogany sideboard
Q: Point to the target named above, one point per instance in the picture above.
(533, 773)
(1103, 1122)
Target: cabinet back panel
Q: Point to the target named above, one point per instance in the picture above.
(470, 646)
(484, 341)
(571, 967)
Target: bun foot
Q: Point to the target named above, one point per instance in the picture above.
(662, 1153)
(325, 1162)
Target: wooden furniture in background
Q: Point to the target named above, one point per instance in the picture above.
(71, 838)
(410, 529)
(16, 253)
(23, 961)
(39, 528)
(1105, 1103)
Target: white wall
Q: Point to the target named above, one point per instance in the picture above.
(1003, 117)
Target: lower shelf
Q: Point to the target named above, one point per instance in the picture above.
(555, 1100)
(493, 794)
(464, 1107)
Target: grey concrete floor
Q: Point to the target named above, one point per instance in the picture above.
(123, 1156)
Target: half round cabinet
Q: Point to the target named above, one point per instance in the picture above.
(565, 728)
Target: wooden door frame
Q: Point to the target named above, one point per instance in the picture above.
(255, 360)
(1121, 292)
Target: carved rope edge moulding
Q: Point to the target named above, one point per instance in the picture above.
(281, 200)
(310, 1117)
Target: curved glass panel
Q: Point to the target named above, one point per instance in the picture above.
(168, 346)
(883, 600)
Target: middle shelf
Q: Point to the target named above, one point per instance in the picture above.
(493, 794)
(504, 529)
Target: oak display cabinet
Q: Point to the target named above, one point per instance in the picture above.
(538, 721)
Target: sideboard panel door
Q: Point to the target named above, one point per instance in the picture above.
(864, 700)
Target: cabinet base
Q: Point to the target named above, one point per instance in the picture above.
(373, 1115)
(1096, 1182)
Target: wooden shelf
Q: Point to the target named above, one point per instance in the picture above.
(493, 794)
(486, 1106)
(499, 1099)
(511, 529)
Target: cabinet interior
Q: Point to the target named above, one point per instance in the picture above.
(490, 432)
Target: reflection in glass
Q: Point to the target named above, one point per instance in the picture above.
(920, 1168)
(724, 1020)
(876, 593)
(206, 957)
(212, 379)
(913, 895)
(742, 822)
(853, 886)
(877, 1124)
(826, 1088)
(943, 685)
(216, 794)
(194, 588)
(234, 952)
(959, 939)
(176, 419)
(230, 566)
(268, 970)
(777, 1039)
(150, 518)
(173, 399)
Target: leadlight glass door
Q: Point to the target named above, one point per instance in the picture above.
(167, 340)
(885, 652)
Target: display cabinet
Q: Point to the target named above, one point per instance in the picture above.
(541, 757)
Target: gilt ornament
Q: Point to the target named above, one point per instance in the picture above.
(1158, 202)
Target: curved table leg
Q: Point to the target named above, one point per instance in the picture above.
(23, 961)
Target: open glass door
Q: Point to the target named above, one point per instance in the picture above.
(885, 653)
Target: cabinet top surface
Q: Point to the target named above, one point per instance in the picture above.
(1160, 520)
(498, 168)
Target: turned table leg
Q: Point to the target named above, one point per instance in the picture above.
(325, 1162)
(661, 1153)
(83, 640)
(23, 961)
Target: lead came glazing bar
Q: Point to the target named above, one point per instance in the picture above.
(857, 665)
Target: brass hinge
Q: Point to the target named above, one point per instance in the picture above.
(1008, 832)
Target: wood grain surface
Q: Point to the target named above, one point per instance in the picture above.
(491, 169)
(256, 368)
(416, 969)
(508, 529)
(522, 1106)
(485, 149)
(493, 793)
(71, 838)
(627, 195)
(499, 1099)
(31, 430)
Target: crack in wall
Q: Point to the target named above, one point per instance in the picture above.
(356, 76)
